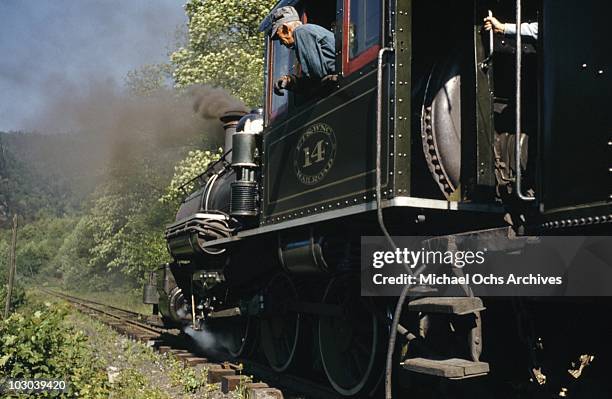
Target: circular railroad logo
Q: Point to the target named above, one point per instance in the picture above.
(314, 154)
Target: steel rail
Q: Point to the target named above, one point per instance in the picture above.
(92, 305)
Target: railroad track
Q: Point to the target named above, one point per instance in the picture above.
(150, 331)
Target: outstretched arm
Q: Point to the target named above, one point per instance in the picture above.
(527, 29)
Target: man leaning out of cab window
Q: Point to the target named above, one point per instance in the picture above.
(314, 48)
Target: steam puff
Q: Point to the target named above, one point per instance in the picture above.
(211, 102)
(208, 342)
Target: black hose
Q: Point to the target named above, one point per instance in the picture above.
(392, 339)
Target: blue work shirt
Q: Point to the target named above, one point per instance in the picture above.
(315, 49)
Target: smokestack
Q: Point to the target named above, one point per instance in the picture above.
(230, 121)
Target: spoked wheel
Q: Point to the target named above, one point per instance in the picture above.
(240, 331)
(279, 327)
(351, 344)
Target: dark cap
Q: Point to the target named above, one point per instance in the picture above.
(281, 16)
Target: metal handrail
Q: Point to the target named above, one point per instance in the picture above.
(517, 141)
(379, 95)
(491, 38)
(208, 169)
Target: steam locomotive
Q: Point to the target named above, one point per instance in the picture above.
(431, 127)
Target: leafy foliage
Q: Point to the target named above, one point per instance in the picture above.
(190, 379)
(147, 80)
(134, 385)
(225, 48)
(35, 343)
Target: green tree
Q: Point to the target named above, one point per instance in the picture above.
(225, 48)
(148, 80)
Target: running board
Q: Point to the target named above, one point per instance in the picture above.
(453, 369)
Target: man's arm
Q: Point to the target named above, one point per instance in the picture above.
(527, 29)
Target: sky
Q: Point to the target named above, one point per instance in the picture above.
(52, 48)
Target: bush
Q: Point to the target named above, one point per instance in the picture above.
(36, 343)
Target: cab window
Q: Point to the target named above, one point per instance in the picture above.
(283, 63)
(362, 36)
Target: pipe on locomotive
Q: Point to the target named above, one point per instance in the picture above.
(230, 122)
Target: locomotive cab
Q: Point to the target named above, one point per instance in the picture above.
(448, 111)
(395, 76)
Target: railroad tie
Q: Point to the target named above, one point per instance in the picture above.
(231, 382)
(265, 393)
(207, 366)
(183, 356)
(177, 353)
(215, 375)
(194, 360)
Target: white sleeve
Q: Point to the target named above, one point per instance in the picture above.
(529, 29)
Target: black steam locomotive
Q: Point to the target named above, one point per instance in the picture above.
(431, 127)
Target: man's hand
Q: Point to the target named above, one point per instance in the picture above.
(493, 23)
(285, 82)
